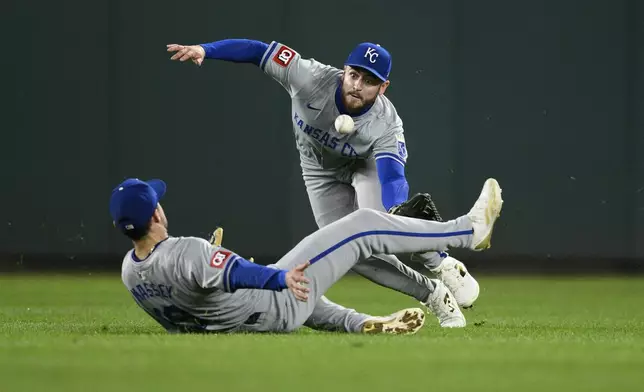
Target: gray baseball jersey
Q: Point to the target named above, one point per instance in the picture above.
(339, 170)
(312, 87)
(184, 282)
(182, 285)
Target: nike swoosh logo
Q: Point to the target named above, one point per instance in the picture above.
(308, 105)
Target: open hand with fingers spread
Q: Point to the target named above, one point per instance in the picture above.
(295, 280)
(196, 53)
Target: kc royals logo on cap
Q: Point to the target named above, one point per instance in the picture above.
(372, 55)
(373, 58)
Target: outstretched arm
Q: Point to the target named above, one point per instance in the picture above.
(214, 267)
(234, 50)
(283, 64)
(246, 275)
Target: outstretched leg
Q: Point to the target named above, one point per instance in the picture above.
(446, 268)
(336, 248)
(331, 200)
(331, 317)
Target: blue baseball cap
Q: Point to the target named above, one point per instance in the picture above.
(373, 58)
(133, 203)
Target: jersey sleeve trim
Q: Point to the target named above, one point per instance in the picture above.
(227, 269)
(267, 54)
(389, 155)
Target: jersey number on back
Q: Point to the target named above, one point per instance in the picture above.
(180, 318)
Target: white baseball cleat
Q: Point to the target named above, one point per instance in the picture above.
(404, 322)
(458, 280)
(442, 304)
(484, 213)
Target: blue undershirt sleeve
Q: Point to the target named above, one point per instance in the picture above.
(236, 50)
(393, 183)
(244, 274)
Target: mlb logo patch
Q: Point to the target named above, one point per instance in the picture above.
(284, 56)
(219, 259)
(402, 147)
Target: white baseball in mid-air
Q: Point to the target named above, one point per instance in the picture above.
(344, 124)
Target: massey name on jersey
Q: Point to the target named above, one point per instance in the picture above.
(146, 291)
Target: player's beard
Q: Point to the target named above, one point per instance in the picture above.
(355, 103)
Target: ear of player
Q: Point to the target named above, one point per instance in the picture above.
(217, 237)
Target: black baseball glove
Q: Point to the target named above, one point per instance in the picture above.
(419, 206)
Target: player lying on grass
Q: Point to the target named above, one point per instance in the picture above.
(362, 166)
(189, 285)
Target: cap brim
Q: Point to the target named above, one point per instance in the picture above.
(158, 186)
(373, 71)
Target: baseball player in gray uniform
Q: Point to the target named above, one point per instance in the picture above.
(346, 167)
(188, 285)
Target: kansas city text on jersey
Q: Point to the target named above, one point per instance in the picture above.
(325, 138)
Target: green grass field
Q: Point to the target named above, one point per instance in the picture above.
(84, 333)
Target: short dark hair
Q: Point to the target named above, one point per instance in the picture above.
(138, 233)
